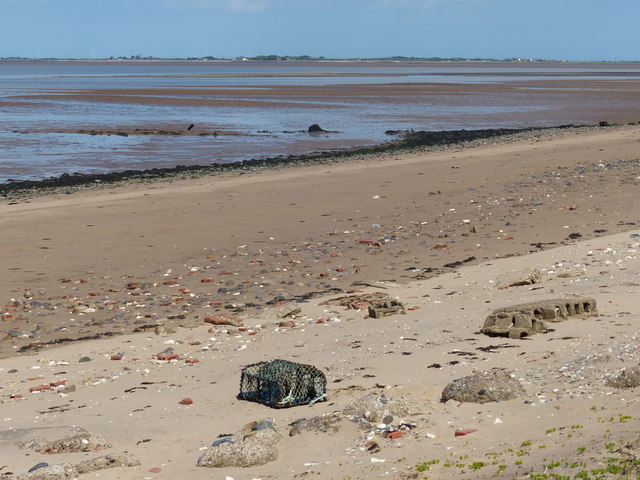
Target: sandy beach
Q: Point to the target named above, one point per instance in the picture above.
(148, 267)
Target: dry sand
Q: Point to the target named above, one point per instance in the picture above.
(110, 260)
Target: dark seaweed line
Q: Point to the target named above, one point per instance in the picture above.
(409, 141)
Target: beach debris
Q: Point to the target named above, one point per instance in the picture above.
(323, 423)
(375, 407)
(253, 445)
(284, 310)
(526, 319)
(378, 304)
(518, 278)
(386, 307)
(495, 385)
(281, 384)
(315, 128)
(628, 378)
(167, 355)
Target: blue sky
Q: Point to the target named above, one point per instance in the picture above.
(553, 29)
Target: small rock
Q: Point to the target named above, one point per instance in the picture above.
(315, 128)
(38, 466)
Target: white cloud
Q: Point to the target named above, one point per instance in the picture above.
(413, 3)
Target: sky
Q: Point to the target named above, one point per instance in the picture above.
(577, 30)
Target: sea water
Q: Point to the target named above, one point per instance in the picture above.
(40, 118)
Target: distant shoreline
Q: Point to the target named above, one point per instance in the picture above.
(238, 60)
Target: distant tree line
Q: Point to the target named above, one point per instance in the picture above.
(309, 58)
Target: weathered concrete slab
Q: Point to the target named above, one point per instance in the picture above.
(491, 386)
(526, 319)
(253, 445)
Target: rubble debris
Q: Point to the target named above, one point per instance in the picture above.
(374, 408)
(386, 307)
(628, 378)
(323, 423)
(288, 309)
(378, 304)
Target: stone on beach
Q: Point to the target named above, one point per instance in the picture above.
(490, 386)
(315, 128)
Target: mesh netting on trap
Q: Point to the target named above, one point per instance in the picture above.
(281, 384)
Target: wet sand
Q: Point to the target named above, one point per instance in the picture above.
(98, 261)
(621, 96)
(111, 259)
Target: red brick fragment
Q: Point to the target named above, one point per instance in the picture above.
(465, 431)
(40, 388)
(170, 282)
(116, 357)
(191, 361)
(206, 280)
(168, 357)
(16, 395)
(224, 319)
(394, 435)
(186, 401)
(59, 383)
